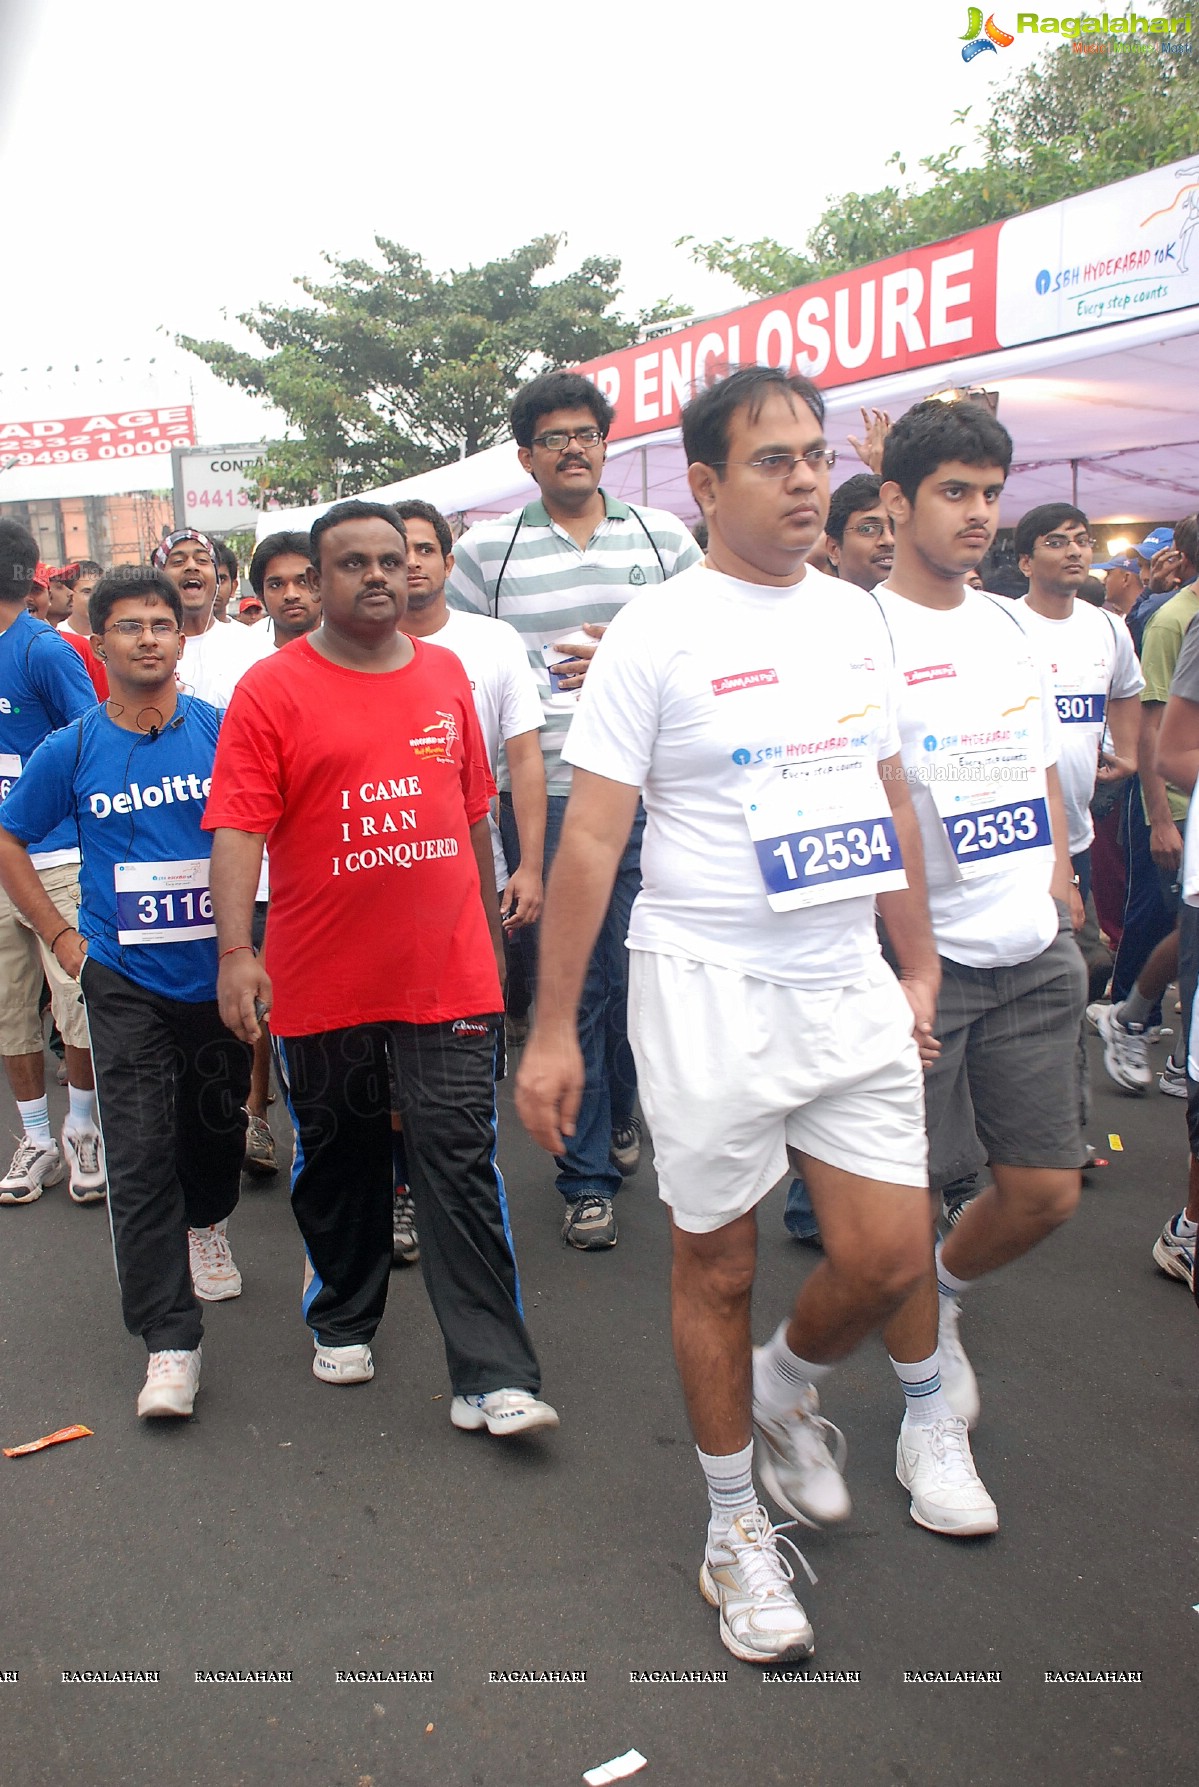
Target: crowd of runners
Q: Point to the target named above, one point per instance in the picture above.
(819, 860)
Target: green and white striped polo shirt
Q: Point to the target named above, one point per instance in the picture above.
(549, 586)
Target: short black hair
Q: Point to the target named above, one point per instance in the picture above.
(415, 510)
(706, 418)
(551, 391)
(1186, 539)
(1042, 520)
(932, 433)
(89, 568)
(857, 493)
(131, 580)
(276, 546)
(227, 557)
(1091, 590)
(353, 510)
(18, 561)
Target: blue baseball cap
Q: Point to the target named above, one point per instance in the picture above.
(1120, 564)
(1157, 541)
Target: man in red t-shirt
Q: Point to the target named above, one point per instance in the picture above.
(357, 754)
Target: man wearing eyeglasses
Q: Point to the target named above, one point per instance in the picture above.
(559, 570)
(130, 779)
(859, 535)
(755, 703)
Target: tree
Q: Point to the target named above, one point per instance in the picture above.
(391, 369)
(1070, 122)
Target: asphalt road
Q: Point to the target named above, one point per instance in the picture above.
(295, 1526)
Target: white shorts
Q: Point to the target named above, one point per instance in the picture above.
(731, 1070)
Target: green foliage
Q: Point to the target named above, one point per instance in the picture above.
(1065, 124)
(390, 369)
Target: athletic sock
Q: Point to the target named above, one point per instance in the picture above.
(84, 1112)
(1184, 1228)
(731, 1492)
(1135, 1009)
(781, 1375)
(922, 1390)
(947, 1284)
(35, 1120)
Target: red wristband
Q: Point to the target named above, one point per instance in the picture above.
(232, 951)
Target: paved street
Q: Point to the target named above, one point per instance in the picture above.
(292, 1526)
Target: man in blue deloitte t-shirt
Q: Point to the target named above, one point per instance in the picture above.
(133, 774)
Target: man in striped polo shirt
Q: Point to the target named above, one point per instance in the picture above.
(558, 570)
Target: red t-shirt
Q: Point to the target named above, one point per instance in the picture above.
(91, 662)
(366, 787)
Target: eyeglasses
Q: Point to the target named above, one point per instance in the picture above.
(1058, 542)
(781, 465)
(133, 629)
(557, 438)
(870, 530)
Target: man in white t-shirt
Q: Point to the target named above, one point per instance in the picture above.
(753, 700)
(981, 739)
(508, 703)
(216, 656)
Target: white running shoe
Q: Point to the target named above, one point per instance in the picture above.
(172, 1379)
(1153, 1033)
(84, 1151)
(214, 1276)
(800, 1458)
(34, 1166)
(343, 1364)
(749, 1580)
(1125, 1056)
(957, 1374)
(502, 1412)
(1172, 1080)
(934, 1464)
(1174, 1251)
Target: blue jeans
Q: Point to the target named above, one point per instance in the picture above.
(1150, 905)
(610, 1077)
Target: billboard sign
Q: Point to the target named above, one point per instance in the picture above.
(80, 440)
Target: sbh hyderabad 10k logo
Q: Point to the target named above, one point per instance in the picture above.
(978, 37)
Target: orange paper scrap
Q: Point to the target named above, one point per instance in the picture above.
(50, 1439)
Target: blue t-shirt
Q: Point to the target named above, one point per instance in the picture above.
(43, 685)
(145, 907)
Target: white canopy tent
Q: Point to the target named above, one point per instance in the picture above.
(1106, 417)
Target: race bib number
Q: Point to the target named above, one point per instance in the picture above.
(823, 831)
(163, 902)
(10, 770)
(1081, 710)
(979, 838)
(992, 804)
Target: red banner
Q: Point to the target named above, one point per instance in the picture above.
(922, 308)
(118, 434)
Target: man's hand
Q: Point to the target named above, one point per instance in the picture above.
(877, 426)
(1165, 570)
(549, 1085)
(571, 671)
(921, 995)
(241, 982)
(1114, 769)
(70, 952)
(1165, 845)
(522, 899)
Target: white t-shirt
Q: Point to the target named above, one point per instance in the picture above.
(213, 664)
(977, 711)
(719, 698)
(507, 699)
(1091, 661)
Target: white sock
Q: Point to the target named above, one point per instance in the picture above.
(947, 1284)
(922, 1390)
(84, 1113)
(1183, 1226)
(35, 1120)
(781, 1375)
(731, 1492)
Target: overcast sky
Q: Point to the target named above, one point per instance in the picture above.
(165, 167)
